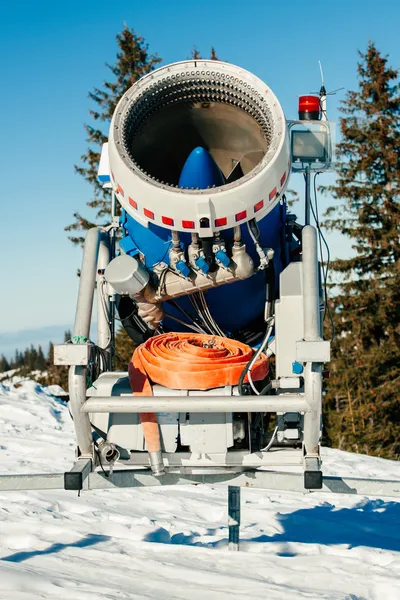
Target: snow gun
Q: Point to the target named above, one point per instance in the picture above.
(218, 288)
(214, 281)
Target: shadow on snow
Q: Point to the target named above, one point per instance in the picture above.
(372, 523)
(90, 540)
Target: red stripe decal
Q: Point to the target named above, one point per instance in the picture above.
(167, 221)
(133, 202)
(148, 213)
(120, 190)
(272, 194)
(188, 224)
(258, 206)
(221, 222)
(283, 178)
(241, 215)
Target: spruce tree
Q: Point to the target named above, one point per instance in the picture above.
(41, 361)
(133, 61)
(197, 56)
(363, 403)
(4, 364)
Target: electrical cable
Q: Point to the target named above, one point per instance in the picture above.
(256, 355)
(186, 314)
(271, 441)
(104, 307)
(193, 302)
(325, 268)
(208, 313)
(100, 461)
(254, 232)
(192, 327)
(207, 320)
(249, 366)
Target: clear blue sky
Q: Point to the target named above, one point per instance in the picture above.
(52, 53)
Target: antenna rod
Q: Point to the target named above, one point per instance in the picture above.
(322, 94)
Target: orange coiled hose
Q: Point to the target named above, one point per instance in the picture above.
(188, 361)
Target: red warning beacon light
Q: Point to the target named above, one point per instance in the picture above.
(309, 108)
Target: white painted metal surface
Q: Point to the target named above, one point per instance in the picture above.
(274, 480)
(142, 196)
(197, 404)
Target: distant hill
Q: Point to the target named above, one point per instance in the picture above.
(19, 340)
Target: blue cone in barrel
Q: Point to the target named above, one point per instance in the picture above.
(200, 171)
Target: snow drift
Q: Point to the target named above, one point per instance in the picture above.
(172, 542)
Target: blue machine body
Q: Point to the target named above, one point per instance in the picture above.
(234, 306)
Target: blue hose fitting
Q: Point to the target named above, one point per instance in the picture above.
(223, 258)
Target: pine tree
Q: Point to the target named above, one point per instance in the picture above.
(133, 61)
(67, 336)
(363, 404)
(197, 56)
(41, 361)
(124, 349)
(4, 364)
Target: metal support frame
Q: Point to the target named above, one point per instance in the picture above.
(197, 404)
(307, 201)
(75, 478)
(236, 476)
(104, 329)
(312, 370)
(81, 478)
(96, 250)
(234, 517)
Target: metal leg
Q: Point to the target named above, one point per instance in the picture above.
(104, 332)
(234, 517)
(76, 477)
(313, 370)
(77, 397)
(254, 478)
(83, 317)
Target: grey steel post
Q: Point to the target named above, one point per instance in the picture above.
(312, 324)
(307, 177)
(310, 284)
(234, 516)
(87, 280)
(196, 404)
(83, 316)
(77, 397)
(104, 332)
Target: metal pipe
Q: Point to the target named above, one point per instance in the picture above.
(234, 517)
(77, 397)
(310, 284)
(312, 323)
(174, 285)
(196, 404)
(108, 452)
(312, 420)
(83, 317)
(307, 178)
(87, 280)
(195, 240)
(175, 240)
(237, 235)
(251, 478)
(104, 333)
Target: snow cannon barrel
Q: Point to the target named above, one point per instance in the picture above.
(199, 159)
(192, 114)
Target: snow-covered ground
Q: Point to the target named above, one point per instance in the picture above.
(172, 542)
